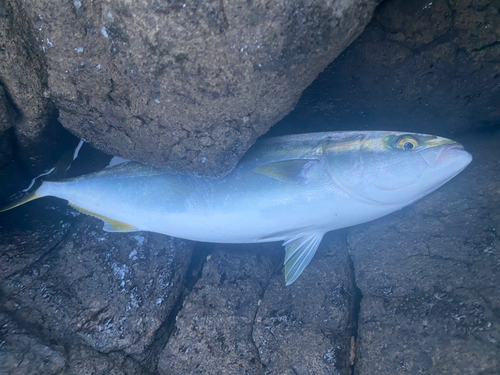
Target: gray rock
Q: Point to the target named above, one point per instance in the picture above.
(23, 354)
(7, 113)
(425, 66)
(110, 292)
(24, 350)
(214, 328)
(186, 85)
(306, 328)
(23, 71)
(429, 275)
(241, 319)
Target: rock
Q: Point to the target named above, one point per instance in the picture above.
(306, 328)
(24, 94)
(186, 85)
(241, 319)
(214, 328)
(25, 351)
(23, 354)
(429, 276)
(7, 113)
(82, 287)
(421, 66)
(23, 70)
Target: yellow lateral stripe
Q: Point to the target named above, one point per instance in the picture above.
(115, 224)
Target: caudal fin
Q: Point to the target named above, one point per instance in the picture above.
(54, 174)
(25, 199)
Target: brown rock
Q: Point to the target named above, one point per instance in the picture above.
(23, 70)
(186, 85)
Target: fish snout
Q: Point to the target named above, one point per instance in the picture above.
(453, 153)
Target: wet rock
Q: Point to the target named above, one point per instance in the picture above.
(214, 328)
(187, 85)
(241, 319)
(82, 361)
(24, 94)
(30, 233)
(429, 275)
(23, 354)
(7, 114)
(306, 328)
(24, 350)
(80, 286)
(425, 66)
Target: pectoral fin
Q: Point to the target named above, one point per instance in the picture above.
(288, 170)
(110, 225)
(299, 252)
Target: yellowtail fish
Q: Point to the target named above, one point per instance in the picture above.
(292, 188)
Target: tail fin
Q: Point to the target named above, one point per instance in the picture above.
(56, 173)
(23, 200)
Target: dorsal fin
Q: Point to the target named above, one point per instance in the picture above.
(110, 225)
(287, 170)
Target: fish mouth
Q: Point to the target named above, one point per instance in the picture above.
(448, 152)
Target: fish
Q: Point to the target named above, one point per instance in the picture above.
(292, 188)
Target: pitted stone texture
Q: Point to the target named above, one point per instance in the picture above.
(23, 70)
(241, 319)
(306, 328)
(23, 354)
(24, 350)
(7, 114)
(429, 275)
(186, 85)
(214, 328)
(108, 291)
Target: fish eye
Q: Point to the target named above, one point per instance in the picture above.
(407, 143)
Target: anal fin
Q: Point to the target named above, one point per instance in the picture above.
(110, 225)
(300, 249)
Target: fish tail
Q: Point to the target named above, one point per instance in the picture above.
(32, 192)
(25, 199)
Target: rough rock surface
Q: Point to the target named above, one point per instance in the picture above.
(21, 353)
(89, 291)
(428, 66)
(241, 319)
(23, 71)
(429, 276)
(189, 85)
(7, 113)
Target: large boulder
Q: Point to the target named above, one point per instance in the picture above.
(186, 85)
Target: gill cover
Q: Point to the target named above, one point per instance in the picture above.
(381, 168)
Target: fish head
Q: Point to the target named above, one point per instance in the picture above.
(389, 168)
